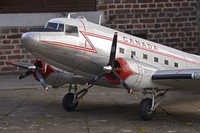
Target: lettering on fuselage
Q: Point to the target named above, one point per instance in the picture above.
(141, 44)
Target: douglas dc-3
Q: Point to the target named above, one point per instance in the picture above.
(76, 51)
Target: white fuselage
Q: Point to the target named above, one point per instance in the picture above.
(86, 53)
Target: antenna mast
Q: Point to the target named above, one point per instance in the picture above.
(100, 19)
(69, 15)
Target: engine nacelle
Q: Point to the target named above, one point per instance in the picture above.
(52, 75)
(133, 73)
(59, 78)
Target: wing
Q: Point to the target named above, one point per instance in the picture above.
(20, 64)
(47, 74)
(180, 79)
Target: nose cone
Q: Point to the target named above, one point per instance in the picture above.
(30, 40)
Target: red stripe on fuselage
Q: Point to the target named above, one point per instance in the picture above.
(83, 25)
(72, 46)
(93, 50)
(140, 47)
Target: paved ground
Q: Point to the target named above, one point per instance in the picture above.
(26, 108)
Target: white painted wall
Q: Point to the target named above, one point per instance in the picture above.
(39, 19)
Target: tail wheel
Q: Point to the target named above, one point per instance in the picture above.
(67, 102)
(145, 111)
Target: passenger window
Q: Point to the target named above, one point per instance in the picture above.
(176, 64)
(71, 30)
(166, 62)
(133, 53)
(155, 59)
(145, 56)
(121, 50)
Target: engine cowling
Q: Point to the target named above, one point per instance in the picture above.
(52, 75)
(127, 69)
(45, 69)
(132, 72)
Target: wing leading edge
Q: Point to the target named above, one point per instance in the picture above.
(176, 74)
(184, 79)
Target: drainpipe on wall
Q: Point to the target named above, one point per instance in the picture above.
(198, 24)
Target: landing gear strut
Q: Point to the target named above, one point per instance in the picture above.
(71, 99)
(147, 107)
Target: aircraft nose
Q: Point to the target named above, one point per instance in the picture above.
(30, 40)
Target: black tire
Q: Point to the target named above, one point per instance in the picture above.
(67, 102)
(144, 109)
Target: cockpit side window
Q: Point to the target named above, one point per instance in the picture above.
(71, 30)
(61, 27)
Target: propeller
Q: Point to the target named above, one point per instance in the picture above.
(41, 79)
(25, 74)
(110, 67)
(31, 68)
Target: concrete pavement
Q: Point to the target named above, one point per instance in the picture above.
(12, 82)
(26, 108)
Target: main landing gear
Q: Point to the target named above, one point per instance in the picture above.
(68, 102)
(71, 99)
(147, 107)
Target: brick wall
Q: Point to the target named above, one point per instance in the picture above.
(169, 22)
(11, 48)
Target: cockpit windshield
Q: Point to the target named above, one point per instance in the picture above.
(58, 27)
(55, 26)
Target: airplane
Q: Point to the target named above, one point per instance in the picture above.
(75, 51)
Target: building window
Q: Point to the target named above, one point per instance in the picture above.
(145, 56)
(176, 64)
(133, 53)
(166, 62)
(155, 59)
(121, 50)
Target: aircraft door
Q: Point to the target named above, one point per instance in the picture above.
(72, 36)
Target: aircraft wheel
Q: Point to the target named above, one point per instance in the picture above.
(67, 102)
(144, 109)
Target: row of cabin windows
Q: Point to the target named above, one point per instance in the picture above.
(145, 56)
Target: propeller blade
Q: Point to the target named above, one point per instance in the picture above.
(27, 73)
(92, 81)
(41, 79)
(31, 69)
(113, 51)
(123, 83)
